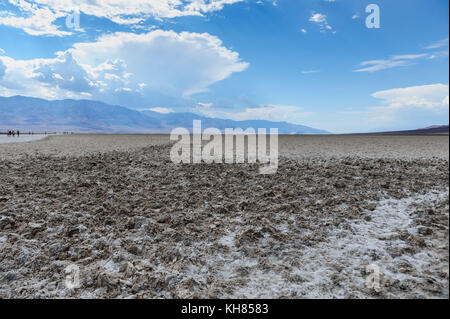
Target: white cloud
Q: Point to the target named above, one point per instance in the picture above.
(272, 2)
(126, 68)
(271, 112)
(304, 31)
(37, 17)
(204, 104)
(442, 45)
(162, 110)
(310, 71)
(392, 62)
(438, 54)
(318, 18)
(407, 56)
(33, 19)
(2, 69)
(2, 51)
(204, 6)
(438, 44)
(401, 108)
(321, 20)
(177, 63)
(429, 97)
(65, 73)
(22, 78)
(355, 16)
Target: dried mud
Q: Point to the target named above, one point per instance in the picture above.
(139, 226)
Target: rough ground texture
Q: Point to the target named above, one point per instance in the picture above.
(139, 226)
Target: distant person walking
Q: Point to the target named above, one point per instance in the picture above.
(18, 133)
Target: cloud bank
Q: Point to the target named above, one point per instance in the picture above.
(38, 17)
(126, 68)
(270, 112)
(432, 97)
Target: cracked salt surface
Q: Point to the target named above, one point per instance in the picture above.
(224, 231)
(335, 268)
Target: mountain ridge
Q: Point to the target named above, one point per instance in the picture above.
(88, 116)
(432, 129)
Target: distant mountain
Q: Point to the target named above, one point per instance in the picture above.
(173, 120)
(85, 116)
(440, 127)
(71, 115)
(434, 129)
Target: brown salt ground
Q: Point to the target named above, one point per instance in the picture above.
(139, 226)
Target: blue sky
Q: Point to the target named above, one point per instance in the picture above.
(310, 62)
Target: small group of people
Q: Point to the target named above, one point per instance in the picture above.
(13, 133)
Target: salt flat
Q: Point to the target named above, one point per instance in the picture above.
(139, 226)
(366, 146)
(296, 146)
(82, 144)
(20, 139)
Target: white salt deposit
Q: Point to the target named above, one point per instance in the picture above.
(335, 268)
(22, 138)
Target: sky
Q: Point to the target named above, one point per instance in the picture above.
(308, 62)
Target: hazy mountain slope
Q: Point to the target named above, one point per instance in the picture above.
(82, 114)
(92, 116)
(172, 120)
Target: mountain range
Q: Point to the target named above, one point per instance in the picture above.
(434, 129)
(86, 116)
